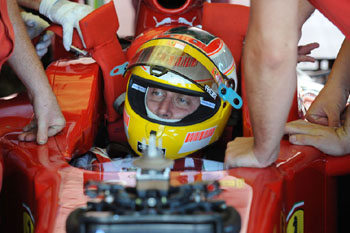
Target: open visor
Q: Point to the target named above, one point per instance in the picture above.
(169, 105)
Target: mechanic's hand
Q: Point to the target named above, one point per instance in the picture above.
(48, 120)
(66, 13)
(240, 153)
(304, 50)
(330, 140)
(43, 45)
(328, 106)
(35, 26)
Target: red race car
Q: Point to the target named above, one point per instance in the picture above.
(85, 173)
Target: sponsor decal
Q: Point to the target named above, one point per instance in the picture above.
(126, 118)
(199, 135)
(169, 20)
(197, 140)
(28, 220)
(295, 219)
(210, 91)
(138, 87)
(207, 104)
(234, 183)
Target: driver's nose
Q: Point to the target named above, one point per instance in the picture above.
(165, 108)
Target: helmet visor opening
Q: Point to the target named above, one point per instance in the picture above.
(169, 105)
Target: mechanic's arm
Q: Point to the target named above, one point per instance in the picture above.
(63, 12)
(270, 57)
(325, 129)
(330, 103)
(48, 119)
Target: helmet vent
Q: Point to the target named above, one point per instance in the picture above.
(158, 71)
(171, 4)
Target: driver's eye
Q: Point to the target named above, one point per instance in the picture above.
(183, 101)
(157, 93)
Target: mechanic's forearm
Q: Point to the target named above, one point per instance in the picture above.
(269, 98)
(270, 56)
(24, 59)
(31, 4)
(305, 10)
(339, 77)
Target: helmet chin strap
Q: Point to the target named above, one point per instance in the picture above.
(153, 116)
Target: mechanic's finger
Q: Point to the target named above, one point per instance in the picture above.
(48, 35)
(67, 36)
(306, 49)
(30, 126)
(27, 136)
(41, 136)
(304, 58)
(43, 44)
(41, 52)
(303, 127)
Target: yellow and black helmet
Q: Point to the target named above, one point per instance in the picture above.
(195, 72)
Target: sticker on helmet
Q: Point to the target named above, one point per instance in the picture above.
(197, 140)
(207, 104)
(138, 87)
(126, 118)
(210, 91)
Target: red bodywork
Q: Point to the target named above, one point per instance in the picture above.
(38, 182)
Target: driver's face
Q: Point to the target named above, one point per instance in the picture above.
(170, 105)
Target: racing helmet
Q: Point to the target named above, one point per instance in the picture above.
(181, 87)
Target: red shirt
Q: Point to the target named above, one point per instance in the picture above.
(337, 11)
(6, 33)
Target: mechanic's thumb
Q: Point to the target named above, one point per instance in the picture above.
(41, 136)
(67, 36)
(313, 118)
(303, 139)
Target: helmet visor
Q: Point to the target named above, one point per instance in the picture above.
(176, 60)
